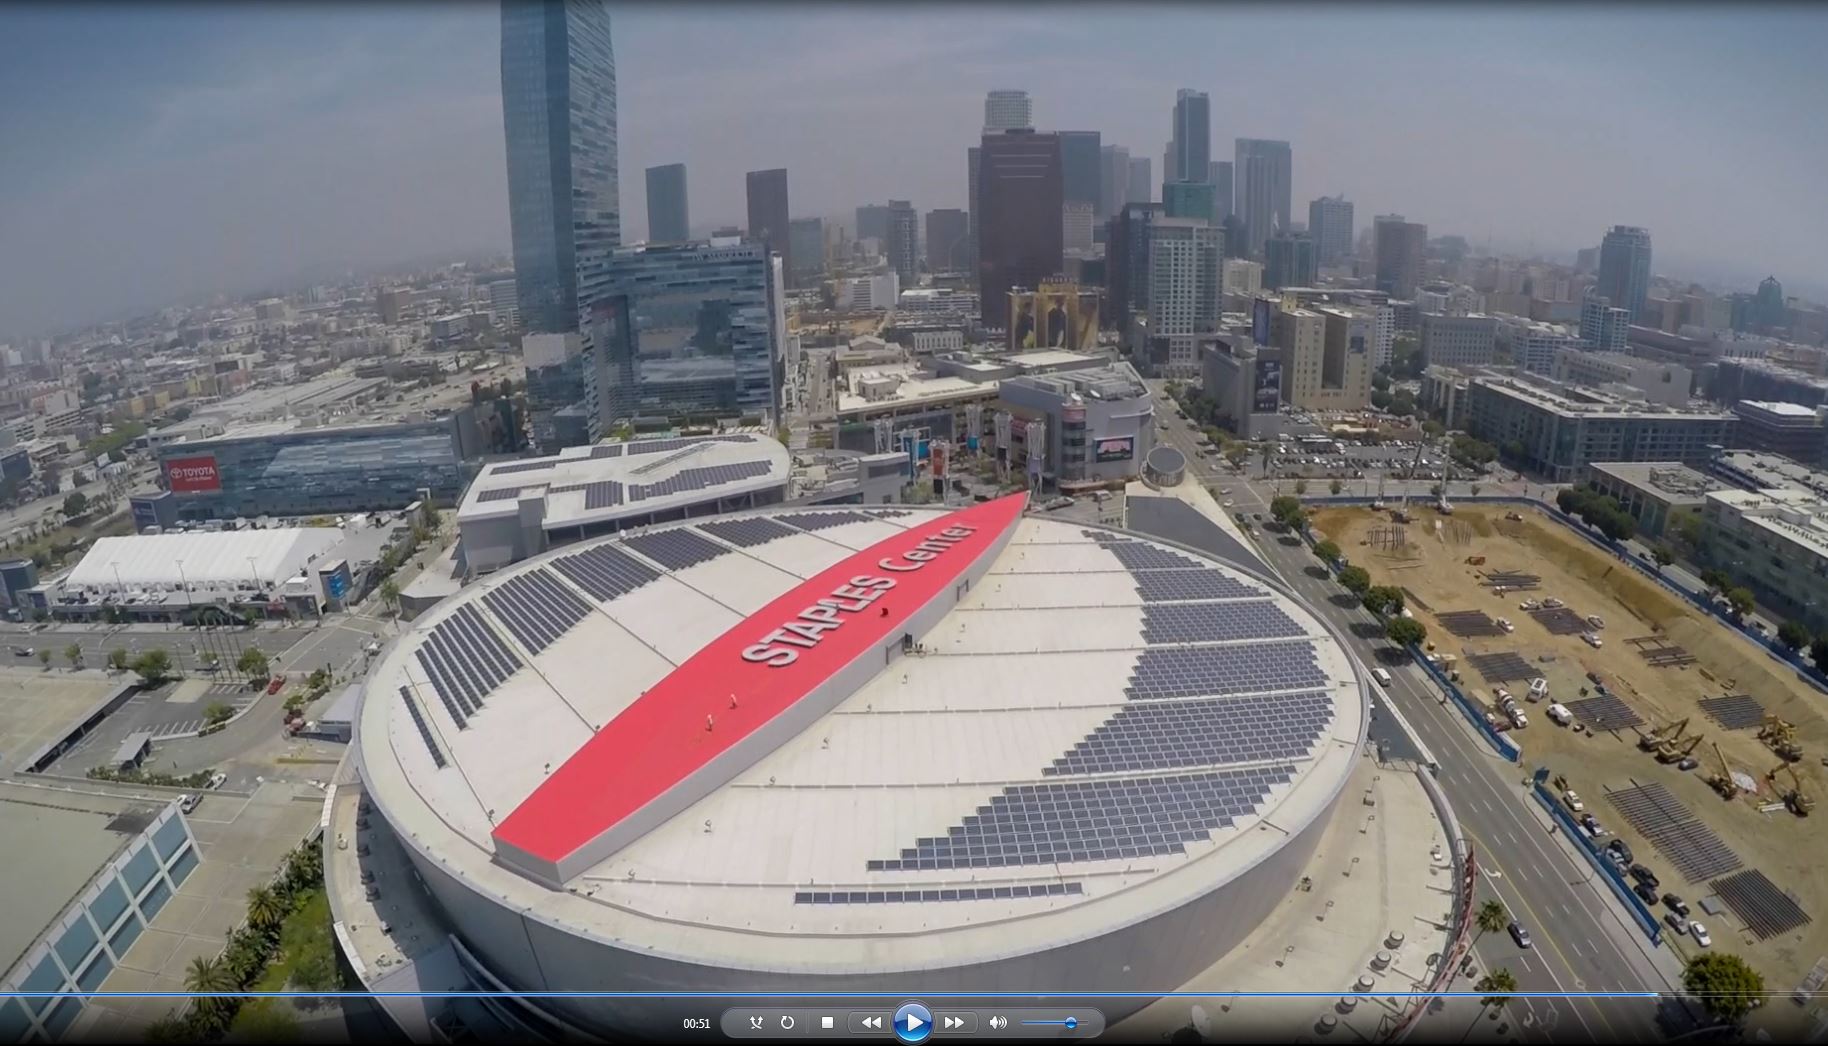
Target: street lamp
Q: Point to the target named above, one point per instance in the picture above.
(119, 585)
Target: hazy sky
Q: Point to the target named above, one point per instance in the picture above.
(150, 153)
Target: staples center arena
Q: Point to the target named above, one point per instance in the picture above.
(868, 749)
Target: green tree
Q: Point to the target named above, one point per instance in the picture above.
(1301, 488)
(1716, 580)
(1388, 599)
(1380, 381)
(1726, 985)
(117, 660)
(205, 976)
(1498, 986)
(1335, 487)
(1236, 453)
(44, 656)
(1328, 551)
(1282, 508)
(1381, 399)
(1792, 635)
(1405, 631)
(74, 654)
(154, 666)
(390, 595)
(1688, 527)
(218, 712)
(76, 504)
(253, 663)
(1433, 429)
(1356, 580)
(1663, 556)
(1373, 599)
(1491, 917)
(1740, 601)
(265, 912)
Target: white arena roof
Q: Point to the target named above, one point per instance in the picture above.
(1082, 728)
(583, 485)
(205, 561)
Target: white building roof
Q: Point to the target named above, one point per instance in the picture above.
(204, 561)
(1048, 673)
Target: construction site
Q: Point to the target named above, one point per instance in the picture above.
(1691, 745)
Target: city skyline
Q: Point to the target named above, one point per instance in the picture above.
(279, 141)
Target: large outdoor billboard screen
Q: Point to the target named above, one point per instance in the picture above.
(1115, 448)
(1268, 396)
(193, 475)
(1259, 321)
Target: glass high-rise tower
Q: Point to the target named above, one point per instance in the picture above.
(558, 100)
(1624, 268)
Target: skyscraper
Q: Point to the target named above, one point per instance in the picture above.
(1603, 326)
(1289, 261)
(1265, 173)
(668, 218)
(947, 237)
(903, 245)
(1398, 254)
(1142, 187)
(558, 92)
(1184, 295)
(1126, 266)
(1114, 180)
(768, 212)
(1192, 144)
(1624, 268)
(1188, 200)
(1007, 111)
(1330, 223)
(1218, 172)
(1079, 170)
(806, 243)
(873, 222)
(1019, 233)
(702, 322)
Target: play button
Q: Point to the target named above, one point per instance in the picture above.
(913, 1023)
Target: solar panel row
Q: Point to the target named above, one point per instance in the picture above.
(607, 450)
(1216, 622)
(500, 494)
(1160, 586)
(699, 479)
(606, 493)
(605, 571)
(747, 533)
(1170, 734)
(655, 446)
(675, 549)
(523, 466)
(465, 661)
(962, 893)
(536, 608)
(822, 520)
(1214, 671)
(425, 729)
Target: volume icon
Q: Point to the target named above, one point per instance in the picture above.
(998, 1023)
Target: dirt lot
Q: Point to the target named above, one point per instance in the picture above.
(1432, 566)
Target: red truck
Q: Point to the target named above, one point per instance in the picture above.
(274, 685)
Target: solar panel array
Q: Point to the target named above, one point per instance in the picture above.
(1468, 624)
(961, 893)
(675, 549)
(536, 607)
(1502, 668)
(1215, 671)
(1094, 820)
(1138, 555)
(655, 446)
(1216, 622)
(1765, 910)
(1605, 712)
(700, 478)
(465, 661)
(1673, 829)
(606, 450)
(822, 520)
(499, 494)
(604, 493)
(1168, 734)
(1733, 711)
(523, 466)
(890, 513)
(747, 533)
(1160, 586)
(425, 728)
(1560, 621)
(605, 571)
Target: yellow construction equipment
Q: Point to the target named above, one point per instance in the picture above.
(1780, 735)
(1796, 800)
(1722, 782)
(1655, 739)
(1670, 751)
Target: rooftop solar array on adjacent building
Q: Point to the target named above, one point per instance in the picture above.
(1734, 711)
(1765, 910)
(523, 466)
(1675, 831)
(821, 520)
(675, 549)
(747, 533)
(656, 446)
(465, 661)
(425, 729)
(500, 494)
(606, 450)
(1216, 671)
(1163, 735)
(961, 893)
(605, 571)
(1216, 622)
(700, 478)
(536, 607)
(606, 493)
(1094, 820)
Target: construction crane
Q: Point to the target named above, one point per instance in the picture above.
(1447, 477)
(1401, 512)
(1378, 505)
(1722, 782)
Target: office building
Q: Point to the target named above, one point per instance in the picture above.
(564, 391)
(1330, 224)
(1142, 186)
(504, 302)
(1444, 393)
(806, 246)
(558, 88)
(1098, 421)
(1126, 252)
(1340, 379)
(1239, 282)
(1020, 234)
(1076, 228)
(1624, 269)
(1114, 180)
(1080, 174)
(668, 213)
(1654, 493)
(1603, 326)
(1557, 429)
(1797, 432)
(1398, 254)
(1244, 380)
(1631, 377)
(703, 335)
(1531, 345)
(1007, 111)
(903, 243)
(1264, 173)
(1755, 379)
(948, 232)
(1219, 175)
(283, 470)
(1188, 200)
(1289, 260)
(873, 222)
(768, 223)
(1458, 341)
(873, 293)
(1775, 542)
(1183, 278)
(1300, 335)
(1190, 150)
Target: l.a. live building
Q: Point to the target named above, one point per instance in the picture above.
(861, 749)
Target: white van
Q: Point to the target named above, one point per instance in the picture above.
(1559, 713)
(1381, 676)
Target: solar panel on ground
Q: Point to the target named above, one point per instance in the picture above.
(1733, 711)
(1560, 621)
(605, 571)
(1605, 712)
(1502, 668)
(675, 549)
(1164, 735)
(1675, 831)
(1206, 671)
(747, 533)
(1511, 580)
(1469, 624)
(1094, 820)
(1765, 910)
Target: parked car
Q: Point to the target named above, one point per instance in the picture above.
(22, 651)
(1676, 922)
(1572, 798)
(1699, 933)
(1645, 876)
(216, 780)
(1688, 762)
(1675, 904)
(1646, 891)
(1618, 846)
(188, 802)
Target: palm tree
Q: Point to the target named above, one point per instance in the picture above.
(1498, 985)
(1492, 917)
(264, 910)
(206, 976)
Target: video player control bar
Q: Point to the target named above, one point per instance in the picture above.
(911, 1022)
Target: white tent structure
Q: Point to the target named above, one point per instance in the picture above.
(222, 561)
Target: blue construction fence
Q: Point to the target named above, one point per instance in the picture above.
(1595, 854)
(1501, 744)
(1793, 660)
